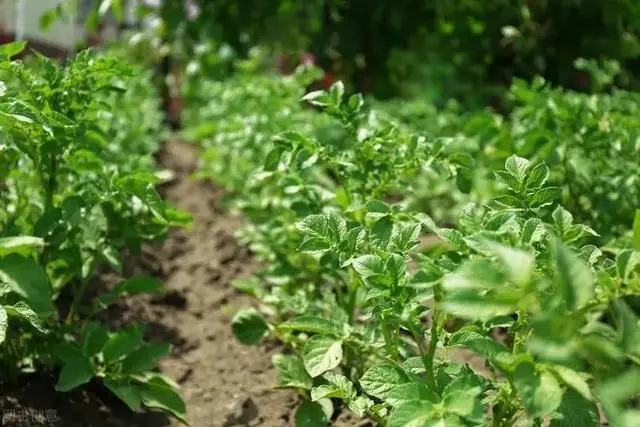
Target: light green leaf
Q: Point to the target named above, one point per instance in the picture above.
(379, 380)
(291, 372)
(27, 278)
(480, 344)
(474, 306)
(404, 237)
(310, 414)
(462, 397)
(412, 414)
(314, 245)
(4, 324)
(533, 231)
(537, 176)
(477, 273)
(517, 263)
(23, 311)
(562, 219)
(9, 50)
(339, 387)
(74, 373)
(369, 266)
(22, 245)
(540, 392)
(318, 98)
(517, 166)
(410, 392)
(573, 280)
(249, 327)
(636, 231)
(574, 380)
(313, 324)
(321, 354)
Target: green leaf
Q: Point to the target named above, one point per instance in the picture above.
(537, 176)
(533, 231)
(75, 372)
(540, 392)
(94, 337)
(313, 324)
(318, 98)
(22, 245)
(573, 279)
(517, 263)
(145, 358)
(476, 273)
(273, 159)
(4, 324)
(462, 396)
(315, 226)
(575, 411)
(469, 304)
(404, 237)
(369, 266)
(27, 278)
(574, 380)
(122, 343)
(125, 391)
(321, 354)
(291, 372)
(314, 245)
(517, 166)
(410, 392)
(562, 219)
(23, 311)
(413, 414)
(130, 287)
(480, 344)
(544, 196)
(636, 231)
(249, 327)
(159, 395)
(10, 50)
(381, 231)
(339, 387)
(379, 380)
(310, 414)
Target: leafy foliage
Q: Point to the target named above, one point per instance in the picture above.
(77, 188)
(374, 316)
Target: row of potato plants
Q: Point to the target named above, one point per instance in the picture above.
(77, 190)
(372, 296)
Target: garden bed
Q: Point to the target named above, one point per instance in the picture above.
(223, 382)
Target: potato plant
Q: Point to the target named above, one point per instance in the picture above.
(77, 188)
(373, 316)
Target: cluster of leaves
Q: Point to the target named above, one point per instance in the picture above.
(375, 299)
(77, 187)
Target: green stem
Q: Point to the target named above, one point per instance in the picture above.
(433, 343)
(389, 340)
(78, 294)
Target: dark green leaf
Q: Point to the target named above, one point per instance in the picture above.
(145, 358)
(74, 373)
(249, 327)
(311, 414)
(27, 278)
